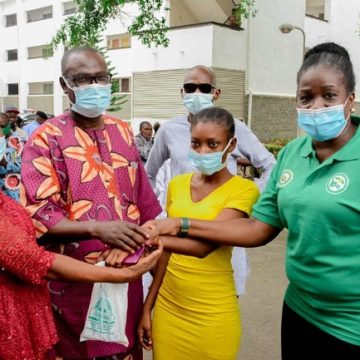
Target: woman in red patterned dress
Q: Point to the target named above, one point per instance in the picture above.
(27, 328)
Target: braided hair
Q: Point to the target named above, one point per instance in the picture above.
(333, 55)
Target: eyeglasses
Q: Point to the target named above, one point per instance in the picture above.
(204, 88)
(83, 80)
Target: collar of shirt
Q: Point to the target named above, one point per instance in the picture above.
(350, 151)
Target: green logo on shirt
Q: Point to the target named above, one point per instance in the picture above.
(337, 184)
(286, 178)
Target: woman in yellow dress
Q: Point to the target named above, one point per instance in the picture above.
(196, 314)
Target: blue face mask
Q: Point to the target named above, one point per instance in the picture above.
(196, 102)
(323, 124)
(91, 100)
(210, 163)
(2, 147)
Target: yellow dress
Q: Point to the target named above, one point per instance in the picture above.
(196, 315)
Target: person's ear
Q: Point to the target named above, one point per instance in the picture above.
(63, 85)
(350, 103)
(232, 145)
(216, 95)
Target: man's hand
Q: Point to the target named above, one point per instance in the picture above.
(121, 234)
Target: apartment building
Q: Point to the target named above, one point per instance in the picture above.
(256, 64)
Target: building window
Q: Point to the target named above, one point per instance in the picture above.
(121, 85)
(41, 88)
(39, 14)
(13, 89)
(119, 41)
(12, 55)
(316, 8)
(11, 20)
(69, 8)
(42, 51)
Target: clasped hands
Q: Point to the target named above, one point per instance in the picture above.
(134, 237)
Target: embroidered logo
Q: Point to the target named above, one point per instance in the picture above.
(286, 177)
(337, 184)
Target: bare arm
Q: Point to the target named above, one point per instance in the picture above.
(121, 234)
(67, 268)
(144, 329)
(197, 247)
(236, 232)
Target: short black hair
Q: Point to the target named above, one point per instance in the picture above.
(333, 55)
(42, 115)
(215, 115)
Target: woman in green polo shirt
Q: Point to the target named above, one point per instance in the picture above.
(314, 192)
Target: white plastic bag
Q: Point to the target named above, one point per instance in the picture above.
(106, 316)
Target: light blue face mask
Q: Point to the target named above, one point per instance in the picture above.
(2, 147)
(196, 102)
(323, 124)
(210, 163)
(91, 100)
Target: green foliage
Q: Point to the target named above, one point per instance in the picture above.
(83, 27)
(243, 9)
(275, 145)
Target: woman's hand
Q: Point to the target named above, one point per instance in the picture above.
(113, 257)
(169, 226)
(146, 263)
(144, 330)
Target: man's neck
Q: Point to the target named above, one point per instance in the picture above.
(84, 122)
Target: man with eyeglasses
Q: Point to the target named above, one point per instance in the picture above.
(172, 142)
(88, 192)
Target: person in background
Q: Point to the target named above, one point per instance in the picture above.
(156, 127)
(87, 191)
(314, 192)
(41, 117)
(172, 141)
(10, 164)
(196, 315)
(15, 119)
(144, 140)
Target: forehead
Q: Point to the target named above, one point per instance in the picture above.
(198, 75)
(85, 63)
(146, 126)
(211, 130)
(323, 75)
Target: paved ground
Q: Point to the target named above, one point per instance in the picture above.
(261, 306)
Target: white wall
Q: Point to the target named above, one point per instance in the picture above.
(345, 25)
(276, 57)
(317, 31)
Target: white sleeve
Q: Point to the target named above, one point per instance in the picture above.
(249, 146)
(158, 155)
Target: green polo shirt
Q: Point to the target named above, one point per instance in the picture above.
(320, 206)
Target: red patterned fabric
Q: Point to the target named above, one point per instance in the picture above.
(27, 329)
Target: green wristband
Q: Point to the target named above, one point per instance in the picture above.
(184, 228)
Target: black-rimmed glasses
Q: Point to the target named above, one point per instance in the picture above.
(82, 80)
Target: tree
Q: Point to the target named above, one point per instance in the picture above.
(242, 9)
(92, 16)
(83, 27)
